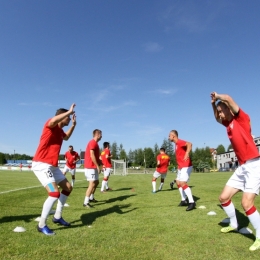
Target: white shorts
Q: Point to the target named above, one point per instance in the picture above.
(246, 177)
(107, 172)
(67, 169)
(47, 173)
(184, 173)
(157, 175)
(91, 174)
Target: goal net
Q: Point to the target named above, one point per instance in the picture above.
(119, 167)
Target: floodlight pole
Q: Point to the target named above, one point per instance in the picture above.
(14, 156)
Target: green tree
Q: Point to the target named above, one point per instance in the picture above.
(230, 147)
(114, 150)
(131, 158)
(150, 160)
(2, 159)
(220, 149)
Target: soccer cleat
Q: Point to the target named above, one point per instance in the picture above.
(108, 189)
(61, 221)
(153, 191)
(183, 203)
(93, 200)
(227, 229)
(171, 185)
(256, 245)
(191, 206)
(87, 205)
(45, 230)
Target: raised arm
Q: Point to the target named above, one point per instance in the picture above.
(57, 119)
(71, 129)
(232, 105)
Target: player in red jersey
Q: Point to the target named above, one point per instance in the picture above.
(45, 166)
(246, 177)
(182, 151)
(163, 161)
(107, 166)
(71, 158)
(91, 165)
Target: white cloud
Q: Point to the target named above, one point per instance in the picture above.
(152, 47)
(164, 91)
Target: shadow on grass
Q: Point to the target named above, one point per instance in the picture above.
(90, 217)
(120, 198)
(242, 220)
(26, 218)
(122, 189)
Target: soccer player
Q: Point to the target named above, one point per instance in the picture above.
(106, 161)
(45, 166)
(246, 177)
(182, 151)
(91, 165)
(21, 167)
(71, 158)
(163, 161)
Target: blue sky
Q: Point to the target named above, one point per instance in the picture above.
(135, 69)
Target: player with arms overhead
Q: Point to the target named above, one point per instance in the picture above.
(45, 166)
(163, 161)
(182, 151)
(246, 177)
(106, 161)
(71, 158)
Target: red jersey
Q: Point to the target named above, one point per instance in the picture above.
(50, 144)
(164, 163)
(239, 134)
(71, 157)
(106, 161)
(180, 150)
(92, 145)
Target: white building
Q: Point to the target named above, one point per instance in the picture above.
(229, 159)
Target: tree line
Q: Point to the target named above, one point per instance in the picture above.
(145, 157)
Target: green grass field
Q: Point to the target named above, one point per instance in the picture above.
(129, 222)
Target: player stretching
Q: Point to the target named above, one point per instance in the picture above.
(45, 166)
(247, 176)
(71, 158)
(182, 150)
(91, 165)
(106, 161)
(163, 161)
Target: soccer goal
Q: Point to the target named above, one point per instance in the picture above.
(119, 167)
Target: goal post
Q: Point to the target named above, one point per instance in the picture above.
(119, 167)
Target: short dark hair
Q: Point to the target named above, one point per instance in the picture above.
(175, 132)
(96, 131)
(162, 149)
(105, 144)
(71, 146)
(61, 111)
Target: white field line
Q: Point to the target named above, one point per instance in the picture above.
(27, 188)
